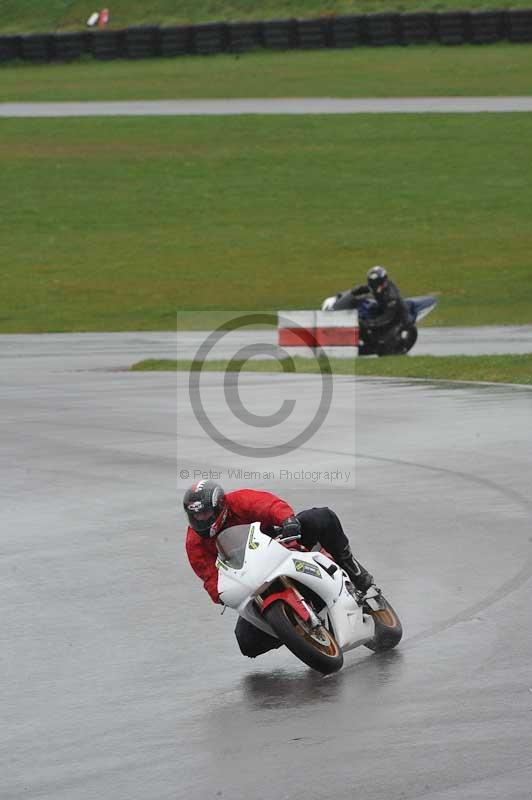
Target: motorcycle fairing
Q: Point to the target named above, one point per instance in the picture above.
(290, 598)
(267, 560)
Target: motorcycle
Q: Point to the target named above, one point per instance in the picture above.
(301, 597)
(377, 342)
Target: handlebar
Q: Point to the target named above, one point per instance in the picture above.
(287, 538)
(278, 529)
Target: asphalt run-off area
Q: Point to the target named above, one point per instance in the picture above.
(289, 105)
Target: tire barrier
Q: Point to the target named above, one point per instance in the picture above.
(519, 26)
(244, 36)
(142, 42)
(10, 48)
(452, 27)
(348, 31)
(280, 34)
(487, 27)
(313, 34)
(178, 41)
(417, 28)
(37, 47)
(70, 46)
(211, 39)
(382, 29)
(108, 45)
(375, 30)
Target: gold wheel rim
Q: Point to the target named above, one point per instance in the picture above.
(330, 649)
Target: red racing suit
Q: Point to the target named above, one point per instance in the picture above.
(244, 506)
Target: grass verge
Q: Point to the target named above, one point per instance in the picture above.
(515, 369)
(34, 15)
(114, 224)
(432, 70)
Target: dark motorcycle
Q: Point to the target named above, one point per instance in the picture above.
(398, 339)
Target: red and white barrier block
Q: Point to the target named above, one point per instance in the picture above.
(309, 333)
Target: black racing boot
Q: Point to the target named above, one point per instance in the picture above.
(358, 575)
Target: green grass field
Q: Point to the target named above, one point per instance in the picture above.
(32, 15)
(493, 369)
(502, 69)
(115, 224)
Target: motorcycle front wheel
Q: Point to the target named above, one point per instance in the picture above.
(316, 647)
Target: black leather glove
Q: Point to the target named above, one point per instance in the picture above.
(291, 527)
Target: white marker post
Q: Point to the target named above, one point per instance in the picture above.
(296, 333)
(309, 333)
(337, 333)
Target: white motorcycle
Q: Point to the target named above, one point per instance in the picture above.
(302, 598)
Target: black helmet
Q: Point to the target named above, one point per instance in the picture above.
(377, 279)
(206, 507)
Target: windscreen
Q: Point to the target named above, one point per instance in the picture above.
(231, 545)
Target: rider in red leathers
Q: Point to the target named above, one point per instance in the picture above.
(210, 511)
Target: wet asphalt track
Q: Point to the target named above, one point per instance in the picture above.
(120, 350)
(121, 681)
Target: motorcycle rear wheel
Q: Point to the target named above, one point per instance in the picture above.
(399, 346)
(388, 629)
(316, 647)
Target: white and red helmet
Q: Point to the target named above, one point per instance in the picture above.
(206, 507)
